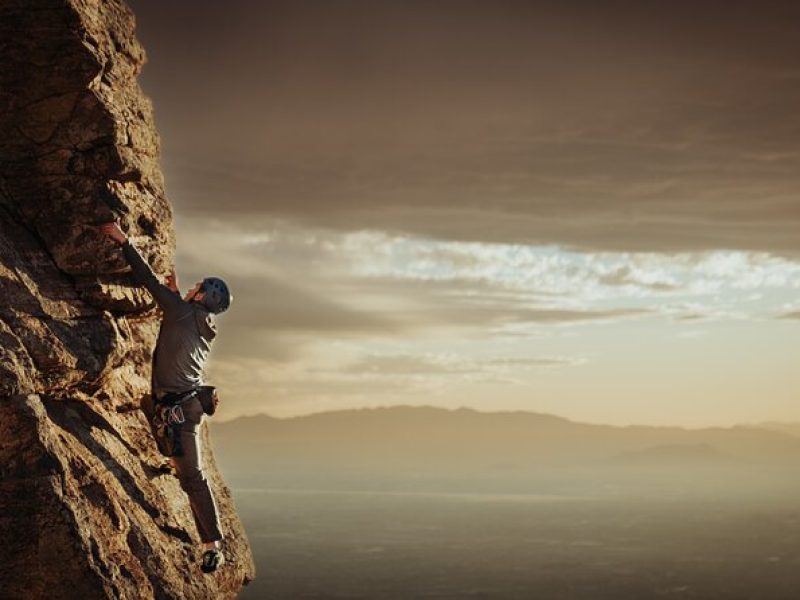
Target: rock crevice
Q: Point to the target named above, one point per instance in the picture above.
(85, 510)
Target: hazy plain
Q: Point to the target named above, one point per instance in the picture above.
(591, 514)
(346, 541)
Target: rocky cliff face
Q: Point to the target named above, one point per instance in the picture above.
(84, 513)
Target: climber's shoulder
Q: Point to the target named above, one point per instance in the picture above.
(205, 320)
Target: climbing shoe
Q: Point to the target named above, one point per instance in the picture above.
(212, 559)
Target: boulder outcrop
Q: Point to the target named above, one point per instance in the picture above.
(84, 511)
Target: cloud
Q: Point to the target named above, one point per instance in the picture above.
(401, 365)
(370, 377)
(533, 362)
(296, 282)
(619, 128)
(250, 384)
(624, 275)
(498, 315)
(407, 364)
(293, 281)
(278, 306)
(790, 315)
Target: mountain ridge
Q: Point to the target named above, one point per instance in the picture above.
(424, 435)
(789, 428)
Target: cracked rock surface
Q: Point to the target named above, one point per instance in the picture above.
(84, 511)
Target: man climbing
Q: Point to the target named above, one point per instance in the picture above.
(184, 341)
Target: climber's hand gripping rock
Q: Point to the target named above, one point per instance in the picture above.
(112, 231)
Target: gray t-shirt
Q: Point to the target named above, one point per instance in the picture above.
(184, 340)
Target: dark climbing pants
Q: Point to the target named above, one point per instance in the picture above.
(192, 476)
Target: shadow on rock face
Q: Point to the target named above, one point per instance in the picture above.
(62, 342)
(84, 510)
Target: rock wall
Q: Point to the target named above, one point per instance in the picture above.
(84, 512)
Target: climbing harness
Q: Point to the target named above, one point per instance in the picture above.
(168, 419)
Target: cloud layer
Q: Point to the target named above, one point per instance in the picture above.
(326, 319)
(614, 126)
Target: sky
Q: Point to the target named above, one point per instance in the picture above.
(579, 208)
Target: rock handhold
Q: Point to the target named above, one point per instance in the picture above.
(84, 510)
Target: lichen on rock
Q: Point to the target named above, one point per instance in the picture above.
(84, 510)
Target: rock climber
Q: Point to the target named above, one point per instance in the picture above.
(184, 341)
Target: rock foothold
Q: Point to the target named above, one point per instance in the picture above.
(85, 511)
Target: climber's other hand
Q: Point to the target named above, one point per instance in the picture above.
(113, 231)
(172, 282)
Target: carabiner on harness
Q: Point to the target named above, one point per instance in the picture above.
(175, 415)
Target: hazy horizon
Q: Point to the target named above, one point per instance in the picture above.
(758, 424)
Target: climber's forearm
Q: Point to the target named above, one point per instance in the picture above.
(143, 275)
(166, 297)
(142, 272)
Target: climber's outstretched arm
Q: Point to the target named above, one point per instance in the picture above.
(166, 298)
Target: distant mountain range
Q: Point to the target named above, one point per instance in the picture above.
(790, 428)
(419, 437)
